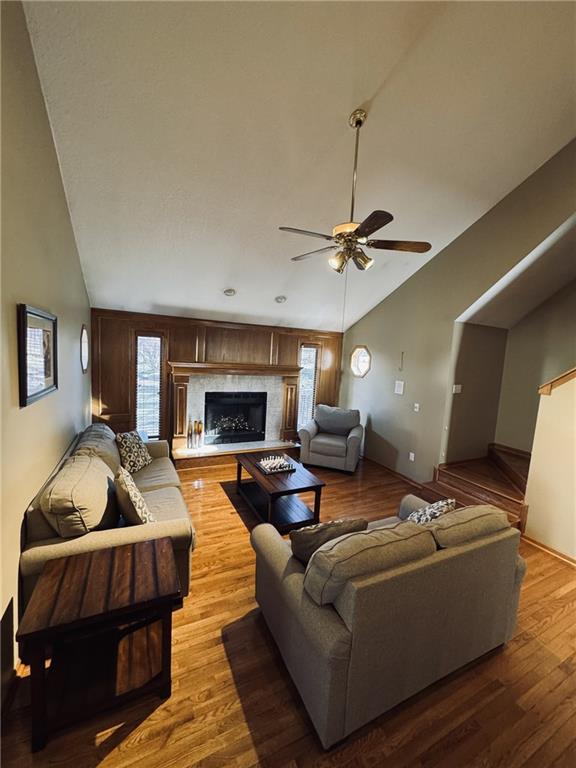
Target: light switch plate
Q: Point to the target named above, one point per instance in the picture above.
(457, 389)
(411, 456)
(398, 387)
(416, 407)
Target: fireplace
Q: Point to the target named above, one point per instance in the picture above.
(234, 417)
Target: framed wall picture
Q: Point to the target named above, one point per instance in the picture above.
(37, 353)
(84, 349)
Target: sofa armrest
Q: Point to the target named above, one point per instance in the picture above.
(307, 433)
(356, 434)
(410, 504)
(519, 573)
(33, 558)
(353, 445)
(280, 589)
(157, 448)
(267, 543)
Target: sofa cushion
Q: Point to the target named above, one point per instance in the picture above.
(385, 522)
(362, 554)
(306, 541)
(160, 473)
(95, 441)
(172, 519)
(133, 453)
(81, 497)
(336, 421)
(328, 445)
(463, 525)
(130, 501)
(101, 429)
(169, 509)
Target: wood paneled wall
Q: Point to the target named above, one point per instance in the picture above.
(189, 340)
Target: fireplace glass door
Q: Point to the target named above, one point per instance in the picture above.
(234, 417)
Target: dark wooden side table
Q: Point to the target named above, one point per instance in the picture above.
(92, 610)
(274, 498)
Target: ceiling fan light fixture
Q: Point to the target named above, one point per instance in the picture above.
(361, 260)
(338, 261)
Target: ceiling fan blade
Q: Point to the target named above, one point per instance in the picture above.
(306, 232)
(375, 221)
(413, 246)
(312, 253)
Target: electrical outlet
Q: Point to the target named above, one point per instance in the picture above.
(398, 387)
(411, 456)
(457, 389)
(416, 407)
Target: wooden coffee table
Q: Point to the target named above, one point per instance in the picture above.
(274, 498)
(96, 612)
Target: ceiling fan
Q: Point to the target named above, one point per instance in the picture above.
(349, 236)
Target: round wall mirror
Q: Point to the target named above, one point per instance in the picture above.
(84, 349)
(360, 361)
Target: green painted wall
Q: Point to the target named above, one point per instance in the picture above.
(418, 319)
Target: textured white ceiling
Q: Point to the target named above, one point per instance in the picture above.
(188, 132)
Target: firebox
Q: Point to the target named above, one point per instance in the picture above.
(234, 417)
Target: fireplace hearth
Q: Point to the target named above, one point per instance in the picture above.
(234, 417)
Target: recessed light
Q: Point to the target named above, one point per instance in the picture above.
(280, 299)
(229, 292)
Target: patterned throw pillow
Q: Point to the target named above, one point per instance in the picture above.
(432, 511)
(131, 502)
(133, 453)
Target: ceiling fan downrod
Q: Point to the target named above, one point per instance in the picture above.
(357, 120)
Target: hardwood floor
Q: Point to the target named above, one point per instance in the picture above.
(233, 703)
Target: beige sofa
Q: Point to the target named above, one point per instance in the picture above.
(357, 646)
(160, 486)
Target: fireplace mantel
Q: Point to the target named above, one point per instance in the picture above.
(234, 369)
(181, 372)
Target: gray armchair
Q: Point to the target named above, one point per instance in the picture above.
(332, 439)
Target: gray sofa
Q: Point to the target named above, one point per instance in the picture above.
(332, 439)
(357, 646)
(160, 486)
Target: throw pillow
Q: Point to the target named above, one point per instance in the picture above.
(131, 502)
(306, 541)
(133, 453)
(80, 497)
(97, 442)
(432, 511)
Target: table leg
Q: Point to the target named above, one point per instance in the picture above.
(317, 494)
(238, 475)
(166, 685)
(38, 696)
(270, 510)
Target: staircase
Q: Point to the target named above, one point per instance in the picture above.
(499, 478)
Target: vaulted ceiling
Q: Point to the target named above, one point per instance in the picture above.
(187, 132)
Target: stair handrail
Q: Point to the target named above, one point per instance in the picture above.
(547, 387)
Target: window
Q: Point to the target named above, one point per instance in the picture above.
(148, 368)
(307, 396)
(360, 361)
